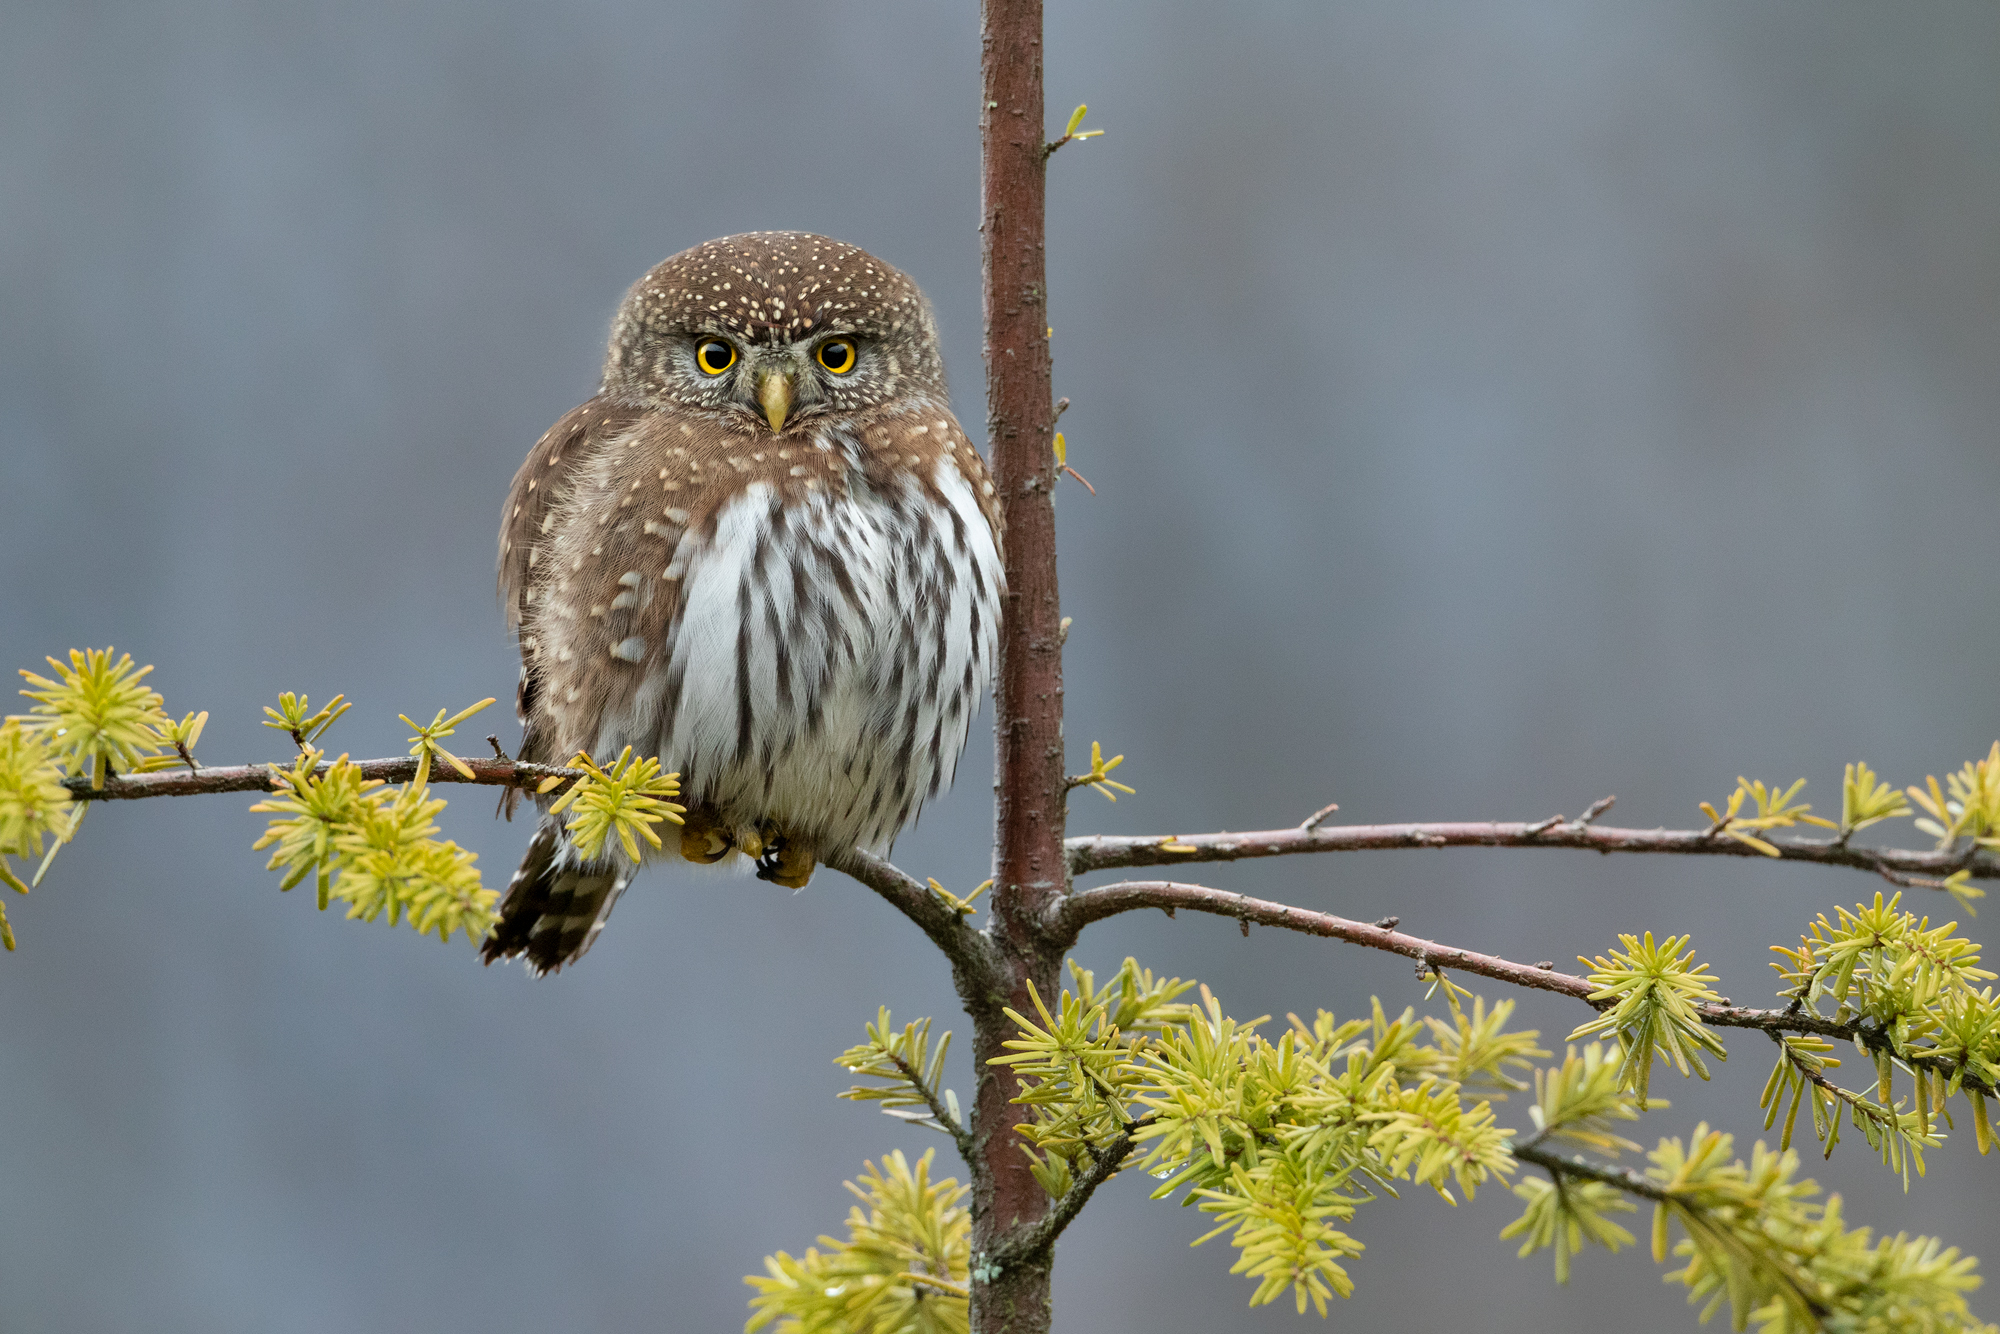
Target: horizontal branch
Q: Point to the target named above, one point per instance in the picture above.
(964, 945)
(1110, 852)
(257, 778)
(1070, 915)
(1900, 865)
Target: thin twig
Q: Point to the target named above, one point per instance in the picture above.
(948, 1123)
(1563, 1164)
(1081, 478)
(1857, 1104)
(1042, 1234)
(1597, 808)
(1691, 1216)
(1109, 852)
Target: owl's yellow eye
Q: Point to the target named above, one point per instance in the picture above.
(715, 356)
(837, 355)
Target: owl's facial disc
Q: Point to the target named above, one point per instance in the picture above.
(782, 384)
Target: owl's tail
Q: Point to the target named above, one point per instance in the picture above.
(556, 903)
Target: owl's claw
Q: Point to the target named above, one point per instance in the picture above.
(784, 861)
(704, 838)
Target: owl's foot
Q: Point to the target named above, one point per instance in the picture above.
(784, 861)
(704, 838)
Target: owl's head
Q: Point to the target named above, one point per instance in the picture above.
(777, 327)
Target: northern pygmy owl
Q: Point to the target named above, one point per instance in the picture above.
(764, 552)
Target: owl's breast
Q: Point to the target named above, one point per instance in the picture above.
(807, 646)
(832, 652)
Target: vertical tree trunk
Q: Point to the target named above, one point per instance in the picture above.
(1028, 788)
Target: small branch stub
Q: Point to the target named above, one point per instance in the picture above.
(1071, 132)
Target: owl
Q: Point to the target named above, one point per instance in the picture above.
(763, 552)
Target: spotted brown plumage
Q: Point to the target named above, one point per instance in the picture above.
(783, 578)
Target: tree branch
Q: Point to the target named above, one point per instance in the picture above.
(948, 1123)
(1856, 1104)
(1069, 916)
(1692, 1216)
(1042, 1234)
(1105, 852)
(1563, 1164)
(1899, 865)
(1081, 907)
(257, 778)
(1028, 791)
(965, 946)
(970, 952)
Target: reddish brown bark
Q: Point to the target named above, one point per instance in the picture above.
(1902, 866)
(1028, 863)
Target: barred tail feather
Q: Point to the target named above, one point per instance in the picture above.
(556, 903)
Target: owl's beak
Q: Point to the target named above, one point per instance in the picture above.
(774, 395)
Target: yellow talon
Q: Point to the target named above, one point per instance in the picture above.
(703, 838)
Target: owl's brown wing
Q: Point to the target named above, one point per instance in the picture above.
(525, 523)
(545, 477)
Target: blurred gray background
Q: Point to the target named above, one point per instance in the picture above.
(1490, 407)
